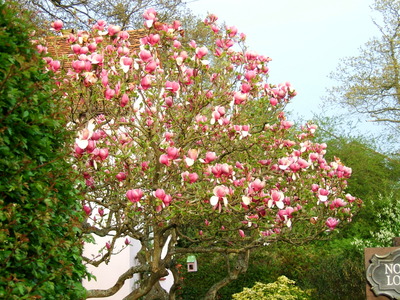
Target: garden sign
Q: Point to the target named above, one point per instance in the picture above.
(383, 273)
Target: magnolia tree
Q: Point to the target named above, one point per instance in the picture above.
(186, 148)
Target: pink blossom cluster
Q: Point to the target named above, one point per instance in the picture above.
(167, 132)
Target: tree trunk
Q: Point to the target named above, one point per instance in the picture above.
(241, 265)
(157, 293)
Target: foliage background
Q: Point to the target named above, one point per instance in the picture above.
(40, 254)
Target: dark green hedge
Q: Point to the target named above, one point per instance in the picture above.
(330, 269)
(40, 253)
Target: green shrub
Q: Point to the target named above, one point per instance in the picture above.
(40, 253)
(282, 289)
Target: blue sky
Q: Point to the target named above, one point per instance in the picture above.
(304, 38)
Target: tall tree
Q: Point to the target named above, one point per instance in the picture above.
(369, 83)
(186, 149)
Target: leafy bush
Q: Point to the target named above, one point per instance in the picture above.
(282, 289)
(40, 253)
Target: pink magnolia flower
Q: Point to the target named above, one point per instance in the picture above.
(323, 195)
(104, 79)
(83, 140)
(286, 215)
(87, 210)
(220, 191)
(201, 52)
(190, 177)
(245, 88)
(92, 47)
(123, 35)
(168, 136)
(103, 153)
(224, 43)
(145, 165)
(192, 44)
(303, 163)
(211, 18)
(121, 176)
(84, 50)
(78, 151)
(78, 66)
(222, 170)
(109, 93)
(191, 157)
(100, 210)
(89, 181)
(89, 78)
(284, 162)
(286, 124)
(337, 202)
(160, 194)
(239, 98)
(172, 153)
(350, 198)
(216, 117)
(210, 157)
(113, 30)
(193, 177)
(257, 185)
(150, 14)
(125, 63)
(177, 44)
(273, 101)
(57, 25)
(169, 101)
(164, 160)
(150, 17)
(250, 75)
(98, 39)
(134, 195)
(96, 59)
(311, 128)
(314, 187)
(241, 233)
(172, 86)
(100, 24)
(145, 55)
(124, 100)
(167, 200)
(41, 49)
(331, 223)
(123, 51)
(54, 65)
(313, 156)
(232, 30)
(151, 66)
(153, 39)
(276, 199)
(146, 82)
(242, 130)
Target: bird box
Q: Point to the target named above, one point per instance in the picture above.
(191, 263)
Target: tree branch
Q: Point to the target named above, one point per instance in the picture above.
(120, 282)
